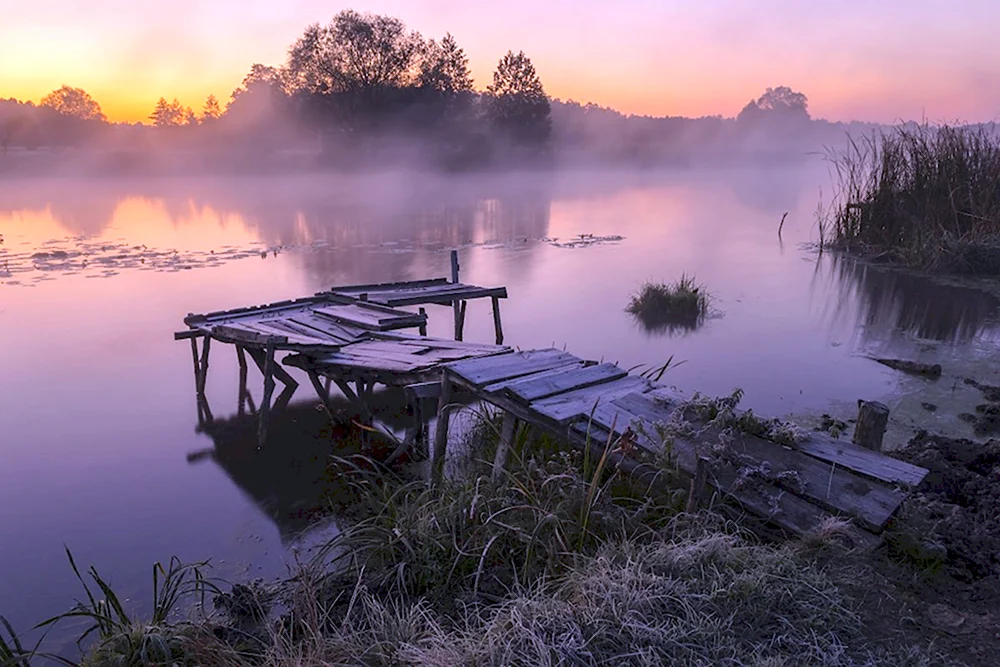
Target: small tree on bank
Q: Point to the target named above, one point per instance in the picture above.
(517, 105)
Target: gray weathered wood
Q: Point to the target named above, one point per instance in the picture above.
(259, 359)
(265, 401)
(567, 407)
(507, 429)
(460, 322)
(423, 327)
(197, 366)
(558, 370)
(203, 371)
(323, 393)
(844, 453)
(699, 484)
(497, 325)
(873, 418)
(241, 357)
(496, 368)
(441, 429)
(534, 388)
(455, 304)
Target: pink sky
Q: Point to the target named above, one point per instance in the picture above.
(874, 60)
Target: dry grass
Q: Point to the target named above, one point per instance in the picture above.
(920, 196)
(682, 305)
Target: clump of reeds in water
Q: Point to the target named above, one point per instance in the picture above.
(920, 196)
(681, 305)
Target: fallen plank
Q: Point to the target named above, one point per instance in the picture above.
(533, 388)
(370, 317)
(845, 454)
(872, 504)
(491, 369)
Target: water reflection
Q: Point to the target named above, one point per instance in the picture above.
(296, 480)
(887, 304)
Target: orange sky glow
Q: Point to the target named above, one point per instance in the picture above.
(855, 59)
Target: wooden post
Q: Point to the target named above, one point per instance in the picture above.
(265, 402)
(873, 418)
(423, 327)
(456, 308)
(496, 320)
(242, 358)
(698, 484)
(507, 430)
(197, 368)
(460, 323)
(323, 392)
(204, 364)
(441, 432)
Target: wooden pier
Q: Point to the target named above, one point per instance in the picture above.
(354, 337)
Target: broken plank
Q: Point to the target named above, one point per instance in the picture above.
(533, 388)
(845, 454)
(244, 334)
(381, 287)
(344, 332)
(565, 407)
(503, 384)
(491, 369)
(369, 317)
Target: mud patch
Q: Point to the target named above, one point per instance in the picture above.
(957, 508)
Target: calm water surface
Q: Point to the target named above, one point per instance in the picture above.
(98, 412)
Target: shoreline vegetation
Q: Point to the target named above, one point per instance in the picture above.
(562, 561)
(922, 197)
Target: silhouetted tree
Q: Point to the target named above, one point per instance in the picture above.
(211, 111)
(516, 101)
(781, 103)
(354, 52)
(74, 102)
(169, 114)
(445, 67)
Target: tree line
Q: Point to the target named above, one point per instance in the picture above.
(366, 85)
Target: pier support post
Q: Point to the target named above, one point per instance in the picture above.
(265, 401)
(456, 307)
(873, 418)
(507, 430)
(441, 430)
(241, 357)
(698, 484)
(423, 327)
(496, 320)
(203, 375)
(323, 391)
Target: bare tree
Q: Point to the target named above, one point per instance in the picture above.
(74, 102)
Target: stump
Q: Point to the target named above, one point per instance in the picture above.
(873, 418)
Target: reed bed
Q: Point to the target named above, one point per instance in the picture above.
(919, 196)
(659, 306)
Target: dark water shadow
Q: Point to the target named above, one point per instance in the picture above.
(886, 304)
(302, 476)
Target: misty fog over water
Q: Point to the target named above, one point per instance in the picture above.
(96, 274)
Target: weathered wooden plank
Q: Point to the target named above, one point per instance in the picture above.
(492, 369)
(820, 482)
(382, 287)
(345, 332)
(533, 388)
(845, 454)
(444, 295)
(368, 317)
(246, 334)
(265, 309)
(503, 384)
(563, 408)
(292, 337)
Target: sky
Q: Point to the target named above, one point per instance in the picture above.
(873, 60)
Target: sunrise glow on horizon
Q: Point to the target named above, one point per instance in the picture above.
(854, 59)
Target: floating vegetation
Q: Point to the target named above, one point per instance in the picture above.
(660, 307)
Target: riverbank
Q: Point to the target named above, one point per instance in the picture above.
(562, 562)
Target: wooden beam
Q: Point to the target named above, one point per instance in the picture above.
(698, 485)
(441, 432)
(277, 371)
(507, 430)
(197, 367)
(456, 308)
(265, 402)
(460, 327)
(242, 359)
(423, 327)
(497, 326)
(203, 375)
(322, 392)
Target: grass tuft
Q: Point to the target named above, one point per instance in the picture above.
(658, 306)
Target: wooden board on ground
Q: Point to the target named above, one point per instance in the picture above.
(841, 452)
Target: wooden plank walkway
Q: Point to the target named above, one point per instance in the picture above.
(591, 404)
